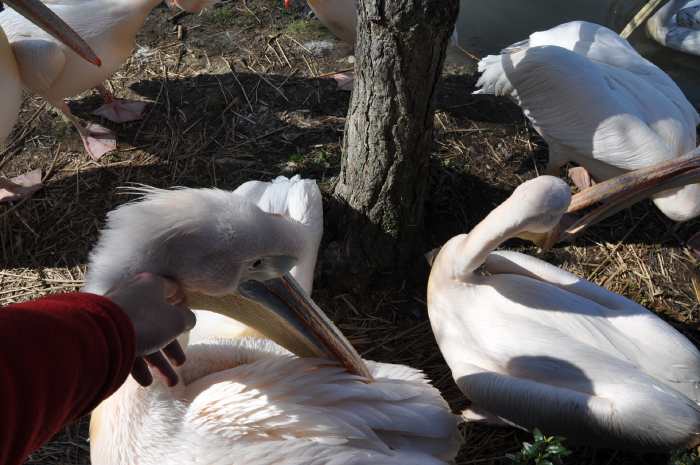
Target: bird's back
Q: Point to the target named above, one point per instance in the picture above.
(594, 99)
(527, 307)
(249, 401)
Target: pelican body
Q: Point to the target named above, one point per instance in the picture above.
(677, 25)
(599, 104)
(339, 16)
(534, 346)
(50, 69)
(244, 399)
(42, 19)
(10, 81)
(10, 90)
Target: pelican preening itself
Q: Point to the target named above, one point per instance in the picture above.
(245, 399)
(10, 82)
(620, 192)
(600, 104)
(50, 69)
(535, 346)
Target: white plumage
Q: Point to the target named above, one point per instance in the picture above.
(532, 345)
(246, 400)
(52, 70)
(339, 16)
(599, 104)
(677, 25)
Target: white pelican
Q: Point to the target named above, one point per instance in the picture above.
(11, 84)
(339, 16)
(535, 346)
(245, 399)
(677, 25)
(51, 70)
(599, 104)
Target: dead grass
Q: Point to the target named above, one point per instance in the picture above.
(237, 99)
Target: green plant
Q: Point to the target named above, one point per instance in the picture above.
(683, 457)
(308, 29)
(297, 158)
(223, 16)
(544, 450)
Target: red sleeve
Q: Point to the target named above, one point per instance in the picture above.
(59, 357)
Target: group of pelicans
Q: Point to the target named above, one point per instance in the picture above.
(271, 380)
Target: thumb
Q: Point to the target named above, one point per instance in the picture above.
(173, 292)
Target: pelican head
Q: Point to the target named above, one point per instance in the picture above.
(533, 209)
(230, 256)
(541, 204)
(36, 12)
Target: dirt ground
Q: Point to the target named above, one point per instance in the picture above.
(241, 95)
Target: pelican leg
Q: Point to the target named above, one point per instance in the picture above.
(345, 81)
(118, 110)
(556, 159)
(581, 178)
(20, 187)
(97, 139)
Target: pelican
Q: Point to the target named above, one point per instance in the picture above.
(677, 25)
(339, 16)
(50, 69)
(534, 346)
(242, 398)
(11, 85)
(599, 104)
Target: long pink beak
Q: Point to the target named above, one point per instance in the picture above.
(625, 190)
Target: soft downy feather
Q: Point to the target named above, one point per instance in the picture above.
(598, 103)
(588, 91)
(300, 200)
(249, 401)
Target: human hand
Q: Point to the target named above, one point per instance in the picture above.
(157, 309)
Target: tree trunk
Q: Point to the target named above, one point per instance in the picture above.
(400, 49)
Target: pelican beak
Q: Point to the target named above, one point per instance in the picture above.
(281, 310)
(622, 191)
(36, 12)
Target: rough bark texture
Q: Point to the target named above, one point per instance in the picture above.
(400, 50)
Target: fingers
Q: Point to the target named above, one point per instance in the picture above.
(141, 373)
(190, 318)
(158, 361)
(174, 353)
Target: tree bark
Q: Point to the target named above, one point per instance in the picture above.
(399, 52)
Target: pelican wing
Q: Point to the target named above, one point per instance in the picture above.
(538, 356)
(591, 95)
(305, 411)
(644, 339)
(630, 413)
(677, 25)
(593, 108)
